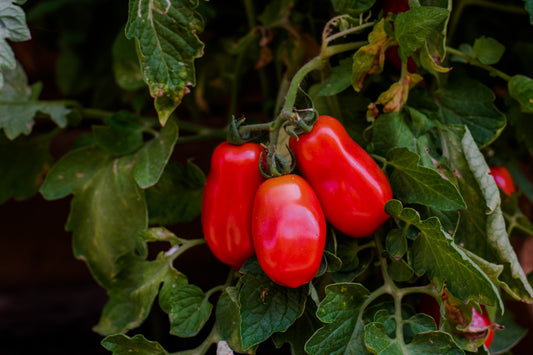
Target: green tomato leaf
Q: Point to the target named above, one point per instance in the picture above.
(13, 27)
(343, 333)
(482, 227)
(521, 89)
(121, 344)
(396, 243)
(18, 108)
(412, 28)
(187, 306)
(154, 155)
(414, 183)
(23, 163)
(420, 323)
(167, 45)
(107, 213)
(338, 80)
(427, 343)
(472, 103)
(177, 197)
(354, 260)
(435, 253)
(121, 135)
(267, 308)
(488, 50)
(400, 271)
(131, 297)
(408, 129)
(298, 333)
(74, 169)
(229, 319)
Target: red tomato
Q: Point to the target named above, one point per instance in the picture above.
(503, 179)
(289, 230)
(227, 202)
(351, 187)
(430, 306)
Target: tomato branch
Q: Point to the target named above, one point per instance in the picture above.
(475, 62)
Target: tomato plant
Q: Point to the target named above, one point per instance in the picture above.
(219, 163)
(351, 187)
(289, 230)
(234, 176)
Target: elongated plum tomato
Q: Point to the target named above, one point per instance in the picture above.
(289, 230)
(503, 179)
(227, 201)
(351, 187)
(430, 306)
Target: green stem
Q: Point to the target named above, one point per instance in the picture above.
(473, 61)
(211, 339)
(179, 249)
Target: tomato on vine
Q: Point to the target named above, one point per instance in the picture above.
(227, 200)
(289, 230)
(351, 187)
(503, 179)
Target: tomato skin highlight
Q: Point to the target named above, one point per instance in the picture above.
(289, 230)
(227, 201)
(503, 179)
(351, 187)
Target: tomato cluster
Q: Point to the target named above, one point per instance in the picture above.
(283, 219)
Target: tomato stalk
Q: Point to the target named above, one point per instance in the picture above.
(475, 62)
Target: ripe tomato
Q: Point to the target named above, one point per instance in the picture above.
(503, 179)
(227, 201)
(289, 230)
(351, 187)
(430, 306)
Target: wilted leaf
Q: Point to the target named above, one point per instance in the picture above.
(167, 43)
